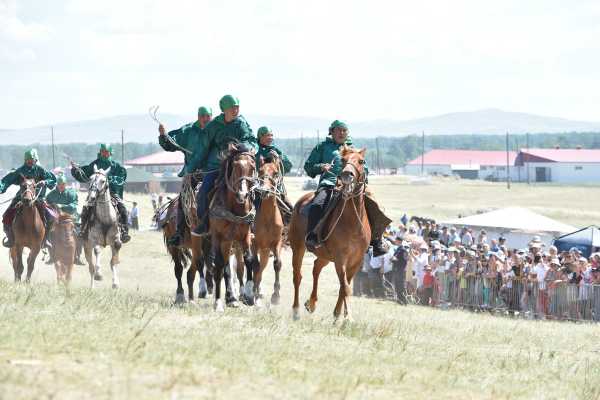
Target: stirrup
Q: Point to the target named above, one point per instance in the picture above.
(175, 240)
(311, 241)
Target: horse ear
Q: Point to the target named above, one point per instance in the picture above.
(261, 161)
(362, 152)
(344, 150)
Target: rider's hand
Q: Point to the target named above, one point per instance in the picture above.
(274, 154)
(325, 167)
(73, 163)
(161, 129)
(42, 183)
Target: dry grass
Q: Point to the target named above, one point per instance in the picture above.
(134, 343)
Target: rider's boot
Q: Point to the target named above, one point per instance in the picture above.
(378, 247)
(85, 215)
(177, 237)
(46, 243)
(9, 241)
(123, 223)
(312, 239)
(202, 228)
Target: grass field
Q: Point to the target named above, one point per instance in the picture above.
(132, 343)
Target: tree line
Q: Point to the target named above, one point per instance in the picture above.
(383, 152)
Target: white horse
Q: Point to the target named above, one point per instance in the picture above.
(103, 229)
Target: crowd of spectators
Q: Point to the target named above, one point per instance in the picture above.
(448, 267)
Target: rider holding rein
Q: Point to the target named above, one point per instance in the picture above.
(29, 170)
(116, 180)
(267, 150)
(229, 127)
(192, 137)
(325, 160)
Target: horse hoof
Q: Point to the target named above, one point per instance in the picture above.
(115, 285)
(233, 304)
(98, 276)
(202, 294)
(296, 314)
(258, 303)
(219, 306)
(275, 299)
(202, 289)
(308, 307)
(179, 298)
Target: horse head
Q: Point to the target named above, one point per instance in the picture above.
(98, 184)
(28, 191)
(353, 174)
(240, 169)
(269, 175)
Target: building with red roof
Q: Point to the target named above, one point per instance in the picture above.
(161, 162)
(528, 165)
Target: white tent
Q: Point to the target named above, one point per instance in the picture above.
(517, 224)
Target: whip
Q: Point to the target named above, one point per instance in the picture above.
(153, 111)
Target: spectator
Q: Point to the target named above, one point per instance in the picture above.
(427, 292)
(134, 217)
(399, 263)
(482, 238)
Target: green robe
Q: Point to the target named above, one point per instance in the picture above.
(326, 152)
(190, 137)
(66, 201)
(220, 135)
(117, 176)
(263, 151)
(34, 172)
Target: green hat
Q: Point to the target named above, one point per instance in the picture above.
(106, 147)
(228, 101)
(263, 130)
(337, 124)
(204, 111)
(31, 154)
(61, 178)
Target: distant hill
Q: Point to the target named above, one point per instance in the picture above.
(140, 128)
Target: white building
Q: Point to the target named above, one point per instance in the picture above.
(559, 165)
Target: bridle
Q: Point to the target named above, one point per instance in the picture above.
(273, 180)
(234, 185)
(100, 191)
(30, 188)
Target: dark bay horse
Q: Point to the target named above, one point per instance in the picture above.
(346, 233)
(268, 231)
(28, 228)
(231, 214)
(187, 252)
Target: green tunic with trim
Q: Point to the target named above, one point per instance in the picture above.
(34, 172)
(221, 134)
(66, 200)
(263, 151)
(191, 137)
(117, 176)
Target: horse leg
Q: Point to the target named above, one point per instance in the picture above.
(31, 262)
(191, 277)
(350, 275)
(298, 255)
(206, 251)
(263, 259)
(178, 270)
(218, 275)
(251, 263)
(345, 289)
(15, 255)
(97, 273)
(202, 281)
(275, 297)
(311, 304)
(90, 260)
(114, 266)
(230, 299)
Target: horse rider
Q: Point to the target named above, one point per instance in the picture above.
(191, 137)
(229, 127)
(267, 150)
(29, 170)
(117, 176)
(65, 199)
(325, 160)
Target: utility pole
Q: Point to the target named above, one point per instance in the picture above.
(518, 149)
(423, 153)
(318, 138)
(378, 159)
(122, 147)
(53, 157)
(527, 156)
(507, 164)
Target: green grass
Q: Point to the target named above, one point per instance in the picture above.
(132, 343)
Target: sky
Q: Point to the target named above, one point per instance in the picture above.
(69, 60)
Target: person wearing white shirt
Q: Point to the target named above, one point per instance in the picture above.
(540, 271)
(420, 261)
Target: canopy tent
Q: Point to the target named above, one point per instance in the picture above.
(586, 240)
(517, 224)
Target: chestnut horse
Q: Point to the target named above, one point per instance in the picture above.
(28, 229)
(185, 253)
(64, 243)
(230, 217)
(346, 233)
(268, 231)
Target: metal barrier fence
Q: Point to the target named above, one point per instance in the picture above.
(519, 297)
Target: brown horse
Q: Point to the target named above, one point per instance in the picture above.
(28, 228)
(346, 233)
(230, 217)
(186, 252)
(64, 244)
(268, 231)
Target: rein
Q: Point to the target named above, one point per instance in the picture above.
(358, 191)
(231, 186)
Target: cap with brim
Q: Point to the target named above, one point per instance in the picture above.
(423, 247)
(555, 261)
